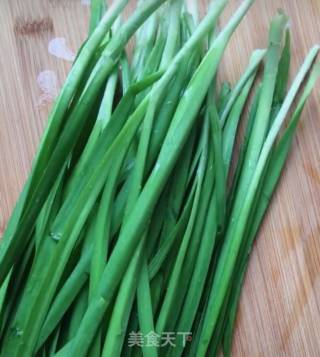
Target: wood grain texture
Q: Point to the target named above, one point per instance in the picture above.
(280, 306)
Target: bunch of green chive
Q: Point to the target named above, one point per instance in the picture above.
(128, 226)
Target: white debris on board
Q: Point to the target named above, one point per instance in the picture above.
(58, 48)
(86, 2)
(48, 83)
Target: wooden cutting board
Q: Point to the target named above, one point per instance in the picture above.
(280, 306)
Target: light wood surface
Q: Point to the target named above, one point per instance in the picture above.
(280, 306)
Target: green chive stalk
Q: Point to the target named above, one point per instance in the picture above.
(58, 254)
(175, 138)
(13, 247)
(111, 346)
(269, 182)
(97, 9)
(170, 298)
(232, 243)
(255, 61)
